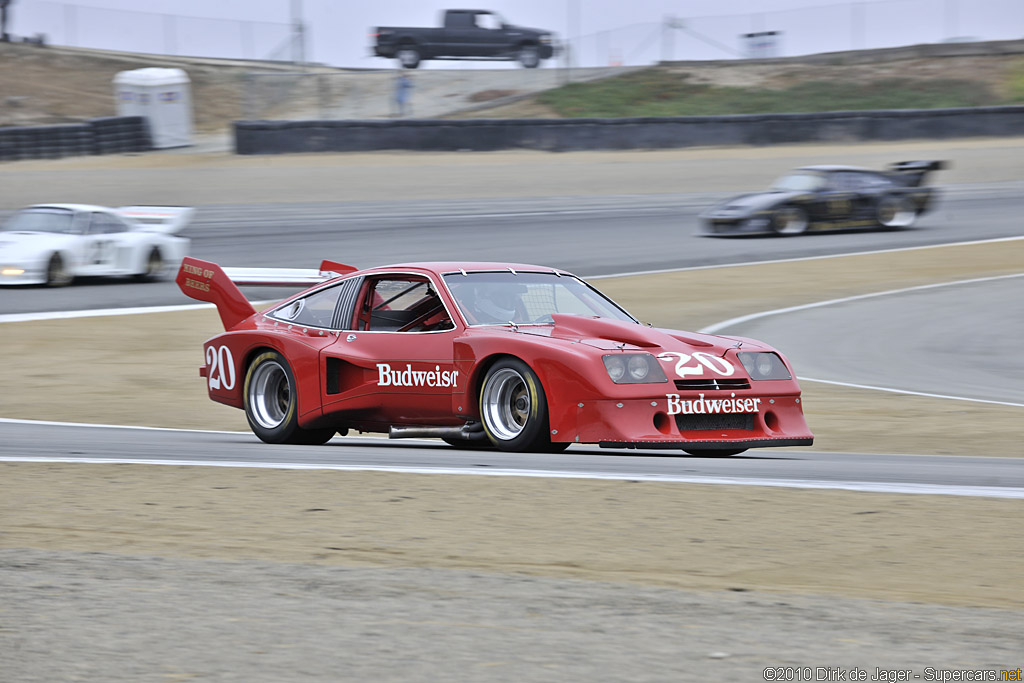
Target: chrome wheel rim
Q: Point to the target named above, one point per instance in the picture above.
(505, 404)
(791, 221)
(270, 394)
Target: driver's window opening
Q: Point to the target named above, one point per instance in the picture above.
(403, 305)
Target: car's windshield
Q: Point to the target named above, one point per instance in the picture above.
(799, 182)
(41, 220)
(497, 298)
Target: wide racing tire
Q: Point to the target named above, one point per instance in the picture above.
(895, 212)
(790, 220)
(270, 397)
(514, 409)
(57, 273)
(154, 267)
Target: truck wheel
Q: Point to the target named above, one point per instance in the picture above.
(408, 56)
(529, 56)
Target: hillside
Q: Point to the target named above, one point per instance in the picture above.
(45, 85)
(980, 74)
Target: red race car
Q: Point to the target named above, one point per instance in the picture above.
(518, 357)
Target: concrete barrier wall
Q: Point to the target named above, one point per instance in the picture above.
(558, 135)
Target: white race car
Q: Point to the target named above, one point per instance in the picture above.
(52, 244)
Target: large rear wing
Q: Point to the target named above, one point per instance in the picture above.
(206, 281)
(166, 219)
(913, 172)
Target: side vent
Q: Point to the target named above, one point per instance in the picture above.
(332, 380)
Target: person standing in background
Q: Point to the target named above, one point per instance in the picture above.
(403, 93)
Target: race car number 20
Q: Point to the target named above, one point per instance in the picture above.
(221, 368)
(687, 364)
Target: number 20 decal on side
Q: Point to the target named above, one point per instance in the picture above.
(221, 367)
(687, 364)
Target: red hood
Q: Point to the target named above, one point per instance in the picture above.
(595, 330)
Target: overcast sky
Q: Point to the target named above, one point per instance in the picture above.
(603, 31)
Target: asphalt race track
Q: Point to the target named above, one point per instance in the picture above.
(923, 340)
(588, 236)
(976, 476)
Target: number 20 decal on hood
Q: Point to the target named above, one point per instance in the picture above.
(695, 364)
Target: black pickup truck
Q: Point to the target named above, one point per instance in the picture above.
(465, 34)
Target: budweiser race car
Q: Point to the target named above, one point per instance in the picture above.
(52, 244)
(517, 357)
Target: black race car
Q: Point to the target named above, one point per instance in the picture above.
(829, 198)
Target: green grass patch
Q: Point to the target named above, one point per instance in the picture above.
(1015, 82)
(656, 92)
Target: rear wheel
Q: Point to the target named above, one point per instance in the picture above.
(789, 220)
(57, 273)
(154, 266)
(271, 403)
(514, 409)
(896, 212)
(408, 56)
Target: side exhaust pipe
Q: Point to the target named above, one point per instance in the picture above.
(470, 432)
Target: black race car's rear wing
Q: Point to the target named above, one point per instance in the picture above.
(912, 173)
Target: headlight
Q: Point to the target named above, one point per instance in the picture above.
(633, 368)
(546, 38)
(764, 366)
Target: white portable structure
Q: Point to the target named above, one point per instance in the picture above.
(163, 96)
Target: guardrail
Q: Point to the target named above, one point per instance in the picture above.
(107, 135)
(557, 135)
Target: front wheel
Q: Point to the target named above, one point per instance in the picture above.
(271, 403)
(513, 407)
(529, 56)
(790, 220)
(896, 212)
(57, 273)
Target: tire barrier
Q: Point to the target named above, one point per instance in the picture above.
(557, 135)
(108, 135)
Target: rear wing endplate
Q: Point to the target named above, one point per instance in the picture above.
(206, 281)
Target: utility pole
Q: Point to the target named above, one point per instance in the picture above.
(299, 34)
